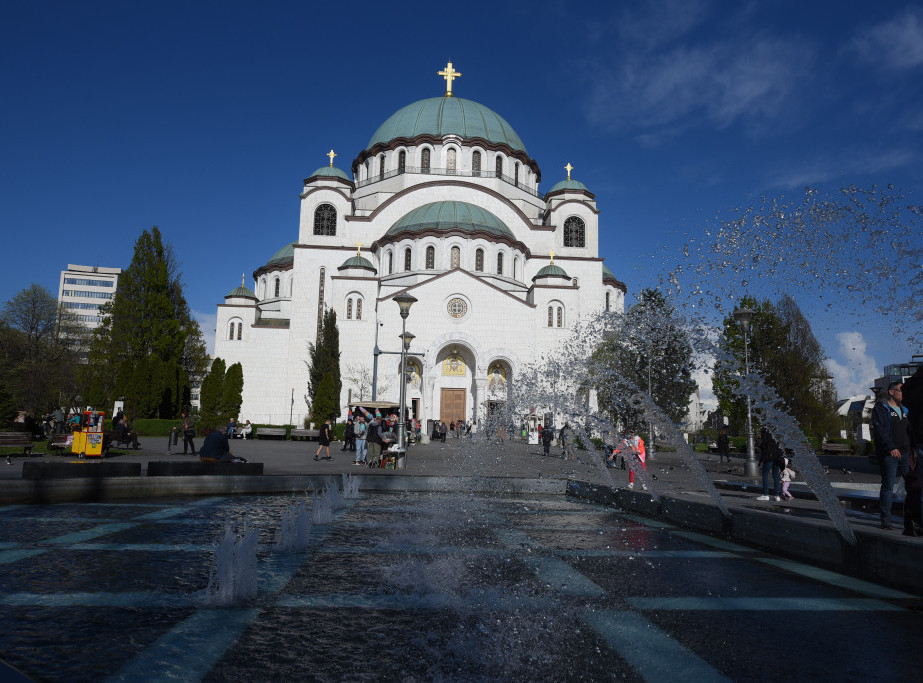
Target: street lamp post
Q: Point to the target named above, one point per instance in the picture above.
(743, 317)
(405, 301)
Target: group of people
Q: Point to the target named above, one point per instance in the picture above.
(441, 430)
(629, 453)
(565, 437)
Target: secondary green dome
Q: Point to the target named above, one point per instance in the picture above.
(241, 291)
(444, 116)
(331, 172)
(285, 255)
(551, 270)
(450, 215)
(357, 262)
(569, 184)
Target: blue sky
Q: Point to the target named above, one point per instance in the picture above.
(203, 118)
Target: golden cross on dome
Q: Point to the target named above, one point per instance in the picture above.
(568, 168)
(331, 154)
(449, 74)
(551, 254)
(358, 248)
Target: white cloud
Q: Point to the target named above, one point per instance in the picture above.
(858, 371)
(668, 88)
(207, 322)
(893, 44)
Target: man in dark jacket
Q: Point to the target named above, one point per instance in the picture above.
(892, 445)
(216, 447)
(547, 438)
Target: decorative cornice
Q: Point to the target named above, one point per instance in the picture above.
(428, 138)
(567, 190)
(438, 232)
(268, 268)
(463, 272)
(330, 177)
(304, 195)
(573, 201)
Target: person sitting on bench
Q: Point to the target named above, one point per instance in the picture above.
(126, 435)
(216, 448)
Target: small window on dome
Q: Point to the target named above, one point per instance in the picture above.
(450, 160)
(607, 301)
(401, 161)
(574, 232)
(381, 165)
(499, 166)
(359, 308)
(325, 220)
(424, 159)
(479, 260)
(515, 267)
(499, 264)
(349, 309)
(277, 287)
(408, 259)
(456, 257)
(390, 263)
(476, 163)
(430, 258)
(550, 316)
(516, 174)
(560, 317)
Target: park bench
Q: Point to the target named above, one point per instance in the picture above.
(270, 431)
(17, 440)
(187, 468)
(836, 448)
(58, 441)
(309, 434)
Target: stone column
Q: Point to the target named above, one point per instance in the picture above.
(479, 394)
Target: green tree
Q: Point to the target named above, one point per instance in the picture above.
(211, 395)
(785, 352)
(326, 403)
(41, 343)
(232, 391)
(651, 350)
(149, 346)
(324, 358)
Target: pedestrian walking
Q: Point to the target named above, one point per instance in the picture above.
(323, 440)
(892, 445)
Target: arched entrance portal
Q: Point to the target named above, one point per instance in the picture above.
(454, 370)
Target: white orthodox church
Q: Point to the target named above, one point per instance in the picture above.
(442, 204)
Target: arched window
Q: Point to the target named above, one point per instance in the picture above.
(499, 165)
(516, 174)
(408, 258)
(450, 160)
(262, 287)
(366, 170)
(277, 287)
(560, 316)
(401, 161)
(430, 258)
(359, 308)
(325, 220)
(476, 163)
(349, 309)
(479, 260)
(550, 316)
(456, 257)
(499, 264)
(424, 160)
(240, 330)
(515, 267)
(390, 263)
(607, 301)
(574, 232)
(232, 329)
(381, 165)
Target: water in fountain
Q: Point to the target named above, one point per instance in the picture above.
(350, 486)
(233, 577)
(295, 531)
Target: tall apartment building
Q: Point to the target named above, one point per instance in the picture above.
(84, 289)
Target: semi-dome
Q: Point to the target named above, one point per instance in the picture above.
(331, 172)
(441, 116)
(551, 270)
(448, 215)
(285, 255)
(568, 184)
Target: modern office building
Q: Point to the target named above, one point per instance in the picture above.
(84, 289)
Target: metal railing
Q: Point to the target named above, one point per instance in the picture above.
(461, 173)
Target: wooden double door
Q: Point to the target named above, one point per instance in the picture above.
(452, 405)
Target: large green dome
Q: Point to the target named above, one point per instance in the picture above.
(285, 255)
(447, 115)
(449, 215)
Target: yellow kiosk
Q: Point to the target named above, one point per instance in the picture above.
(88, 442)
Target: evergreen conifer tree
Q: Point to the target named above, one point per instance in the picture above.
(326, 403)
(211, 395)
(232, 391)
(324, 358)
(149, 345)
